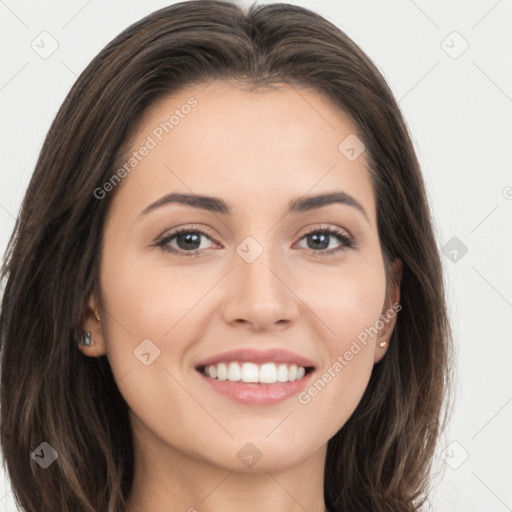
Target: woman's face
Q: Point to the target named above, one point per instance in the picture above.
(264, 279)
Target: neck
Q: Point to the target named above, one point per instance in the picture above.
(167, 480)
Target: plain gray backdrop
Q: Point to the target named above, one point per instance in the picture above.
(450, 66)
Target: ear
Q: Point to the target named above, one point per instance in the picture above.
(93, 324)
(389, 311)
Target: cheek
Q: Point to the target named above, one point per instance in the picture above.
(349, 307)
(142, 303)
(350, 304)
(149, 311)
(147, 300)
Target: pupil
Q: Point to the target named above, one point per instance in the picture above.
(324, 242)
(188, 238)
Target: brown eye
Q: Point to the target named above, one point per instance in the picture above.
(185, 242)
(320, 240)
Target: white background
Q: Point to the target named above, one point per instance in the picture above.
(459, 111)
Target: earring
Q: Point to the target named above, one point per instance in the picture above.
(382, 344)
(86, 339)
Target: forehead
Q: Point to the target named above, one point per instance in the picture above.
(221, 139)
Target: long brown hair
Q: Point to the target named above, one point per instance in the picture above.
(381, 458)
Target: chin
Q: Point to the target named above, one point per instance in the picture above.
(262, 455)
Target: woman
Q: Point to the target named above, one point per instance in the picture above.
(223, 290)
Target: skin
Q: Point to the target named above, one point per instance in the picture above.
(257, 151)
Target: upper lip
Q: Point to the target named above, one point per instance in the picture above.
(277, 355)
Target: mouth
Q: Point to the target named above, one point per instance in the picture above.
(256, 377)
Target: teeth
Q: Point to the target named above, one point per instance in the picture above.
(250, 372)
(282, 373)
(268, 373)
(234, 372)
(222, 372)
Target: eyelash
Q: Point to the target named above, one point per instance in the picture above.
(347, 242)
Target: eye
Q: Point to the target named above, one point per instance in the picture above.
(319, 240)
(187, 240)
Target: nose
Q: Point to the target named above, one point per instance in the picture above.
(259, 297)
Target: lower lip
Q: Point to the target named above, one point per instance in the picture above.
(257, 394)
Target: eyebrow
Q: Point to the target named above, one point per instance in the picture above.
(217, 205)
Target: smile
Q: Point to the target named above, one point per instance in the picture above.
(256, 377)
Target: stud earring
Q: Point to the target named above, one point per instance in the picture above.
(382, 344)
(86, 339)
